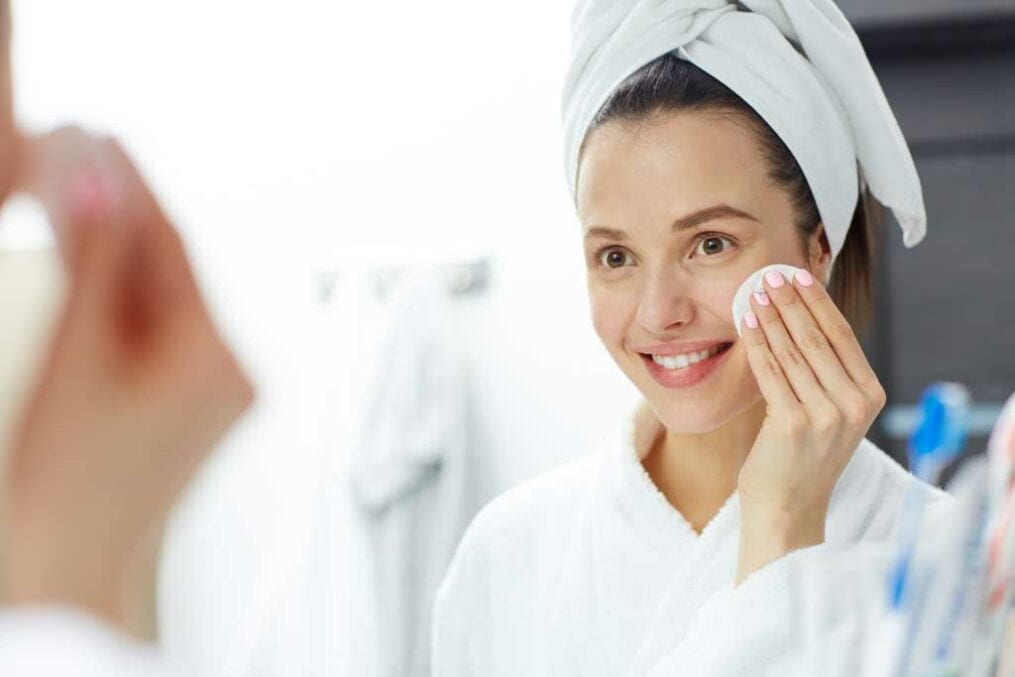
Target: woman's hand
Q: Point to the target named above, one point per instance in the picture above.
(822, 397)
(137, 389)
(50, 163)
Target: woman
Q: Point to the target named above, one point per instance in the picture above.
(724, 531)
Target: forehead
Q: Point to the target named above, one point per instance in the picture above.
(671, 164)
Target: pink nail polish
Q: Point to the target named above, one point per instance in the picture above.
(774, 278)
(762, 298)
(751, 319)
(804, 278)
(89, 195)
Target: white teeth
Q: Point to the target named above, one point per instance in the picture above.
(683, 361)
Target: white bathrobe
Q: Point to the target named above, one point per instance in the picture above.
(63, 642)
(588, 570)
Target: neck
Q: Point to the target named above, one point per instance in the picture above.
(697, 472)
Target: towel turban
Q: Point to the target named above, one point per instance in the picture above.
(798, 63)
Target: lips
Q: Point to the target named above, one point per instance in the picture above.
(686, 376)
(680, 348)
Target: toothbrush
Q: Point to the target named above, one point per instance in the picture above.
(997, 622)
(938, 439)
(1001, 451)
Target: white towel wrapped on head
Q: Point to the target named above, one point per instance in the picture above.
(798, 63)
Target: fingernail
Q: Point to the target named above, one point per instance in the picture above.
(761, 297)
(751, 319)
(775, 278)
(804, 278)
(89, 195)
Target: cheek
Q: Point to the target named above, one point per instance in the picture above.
(611, 313)
(717, 296)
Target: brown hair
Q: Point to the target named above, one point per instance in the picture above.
(670, 84)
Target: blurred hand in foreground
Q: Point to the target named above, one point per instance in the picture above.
(137, 388)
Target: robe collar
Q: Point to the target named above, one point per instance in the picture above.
(664, 528)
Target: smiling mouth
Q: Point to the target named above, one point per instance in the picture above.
(680, 362)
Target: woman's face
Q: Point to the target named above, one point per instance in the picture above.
(661, 280)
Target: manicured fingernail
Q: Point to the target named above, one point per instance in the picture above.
(775, 278)
(89, 195)
(804, 278)
(761, 297)
(751, 319)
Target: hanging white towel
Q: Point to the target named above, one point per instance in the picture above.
(408, 467)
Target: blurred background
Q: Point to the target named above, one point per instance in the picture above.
(943, 308)
(374, 198)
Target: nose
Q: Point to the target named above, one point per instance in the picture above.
(666, 300)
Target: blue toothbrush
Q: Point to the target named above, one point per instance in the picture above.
(939, 438)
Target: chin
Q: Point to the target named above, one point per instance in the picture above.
(700, 413)
(692, 419)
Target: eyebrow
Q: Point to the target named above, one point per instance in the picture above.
(683, 223)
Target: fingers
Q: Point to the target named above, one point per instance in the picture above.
(767, 371)
(165, 303)
(842, 338)
(168, 277)
(50, 166)
(131, 283)
(100, 254)
(804, 336)
(795, 367)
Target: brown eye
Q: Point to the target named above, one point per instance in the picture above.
(712, 245)
(613, 258)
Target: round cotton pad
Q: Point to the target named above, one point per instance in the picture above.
(742, 299)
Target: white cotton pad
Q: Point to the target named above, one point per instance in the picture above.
(753, 283)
